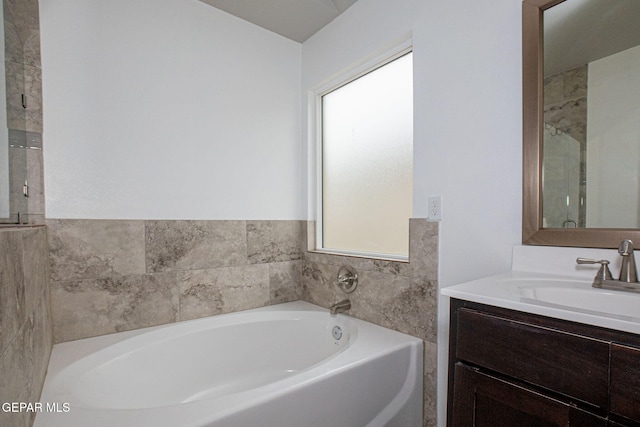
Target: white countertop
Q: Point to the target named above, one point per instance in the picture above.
(554, 268)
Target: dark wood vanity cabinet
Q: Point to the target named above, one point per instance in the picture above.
(483, 400)
(625, 381)
(508, 368)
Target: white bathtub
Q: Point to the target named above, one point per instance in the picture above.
(276, 366)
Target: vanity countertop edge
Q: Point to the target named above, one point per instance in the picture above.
(487, 291)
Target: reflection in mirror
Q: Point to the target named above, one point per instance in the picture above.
(566, 128)
(591, 131)
(15, 140)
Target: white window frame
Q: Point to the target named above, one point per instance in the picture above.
(369, 64)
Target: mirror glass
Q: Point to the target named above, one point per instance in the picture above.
(591, 115)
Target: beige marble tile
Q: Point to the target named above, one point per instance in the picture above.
(25, 15)
(90, 249)
(15, 84)
(25, 321)
(222, 290)
(41, 343)
(36, 182)
(569, 117)
(553, 89)
(18, 173)
(12, 293)
(285, 282)
(319, 284)
(191, 245)
(85, 308)
(575, 83)
(31, 48)
(423, 249)
(12, 44)
(398, 295)
(565, 102)
(273, 241)
(430, 385)
(36, 219)
(17, 378)
(33, 93)
(35, 261)
(403, 304)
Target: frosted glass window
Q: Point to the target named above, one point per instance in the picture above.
(367, 162)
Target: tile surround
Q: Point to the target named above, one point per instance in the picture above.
(114, 275)
(25, 319)
(193, 245)
(83, 308)
(23, 70)
(25, 310)
(273, 241)
(565, 102)
(223, 290)
(397, 295)
(107, 276)
(90, 249)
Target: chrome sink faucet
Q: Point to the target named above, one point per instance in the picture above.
(628, 279)
(628, 269)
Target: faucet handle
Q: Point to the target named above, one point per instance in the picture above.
(603, 273)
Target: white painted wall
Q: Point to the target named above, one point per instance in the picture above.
(467, 121)
(467, 117)
(171, 109)
(168, 109)
(613, 136)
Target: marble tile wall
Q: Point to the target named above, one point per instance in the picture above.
(565, 102)
(24, 76)
(114, 275)
(397, 295)
(25, 319)
(565, 113)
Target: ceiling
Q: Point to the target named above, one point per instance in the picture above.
(577, 32)
(294, 19)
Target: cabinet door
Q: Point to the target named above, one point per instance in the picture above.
(566, 363)
(482, 400)
(625, 381)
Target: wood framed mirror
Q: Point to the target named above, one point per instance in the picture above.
(534, 229)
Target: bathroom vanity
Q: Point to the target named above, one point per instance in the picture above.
(540, 346)
(510, 368)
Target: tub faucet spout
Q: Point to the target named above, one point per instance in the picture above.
(340, 307)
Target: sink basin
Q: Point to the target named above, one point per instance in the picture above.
(574, 294)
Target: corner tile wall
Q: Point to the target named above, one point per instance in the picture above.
(565, 112)
(397, 295)
(25, 319)
(24, 76)
(565, 102)
(114, 275)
